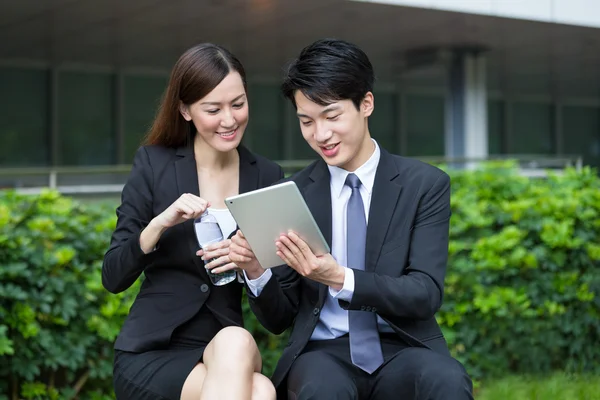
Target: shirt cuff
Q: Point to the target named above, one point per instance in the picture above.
(151, 251)
(347, 290)
(258, 284)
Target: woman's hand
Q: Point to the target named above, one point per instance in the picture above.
(186, 207)
(216, 255)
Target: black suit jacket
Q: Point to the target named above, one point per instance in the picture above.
(176, 285)
(406, 254)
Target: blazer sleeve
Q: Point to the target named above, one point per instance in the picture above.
(418, 293)
(277, 306)
(125, 261)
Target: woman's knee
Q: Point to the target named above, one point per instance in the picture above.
(235, 339)
(234, 343)
(262, 388)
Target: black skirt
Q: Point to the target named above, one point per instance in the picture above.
(153, 375)
(160, 374)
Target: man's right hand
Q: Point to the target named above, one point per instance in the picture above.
(186, 207)
(242, 255)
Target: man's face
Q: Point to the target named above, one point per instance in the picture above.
(338, 132)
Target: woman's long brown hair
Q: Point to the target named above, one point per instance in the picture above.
(197, 72)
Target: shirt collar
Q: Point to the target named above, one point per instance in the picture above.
(366, 173)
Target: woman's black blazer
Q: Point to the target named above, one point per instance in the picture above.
(176, 285)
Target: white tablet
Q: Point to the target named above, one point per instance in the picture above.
(264, 214)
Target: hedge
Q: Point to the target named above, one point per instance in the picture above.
(523, 285)
(521, 290)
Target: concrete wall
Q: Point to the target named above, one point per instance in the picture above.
(572, 12)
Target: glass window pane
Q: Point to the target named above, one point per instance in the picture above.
(85, 118)
(382, 123)
(581, 133)
(141, 98)
(24, 123)
(496, 124)
(265, 133)
(424, 125)
(531, 131)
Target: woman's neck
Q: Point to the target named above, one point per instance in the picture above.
(209, 158)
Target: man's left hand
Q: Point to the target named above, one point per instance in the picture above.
(295, 252)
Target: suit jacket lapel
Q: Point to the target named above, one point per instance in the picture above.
(186, 172)
(186, 175)
(318, 198)
(248, 171)
(386, 192)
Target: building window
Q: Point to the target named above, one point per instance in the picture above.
(382, 123)
(24, 126)
(531, 129)
(581, 133)
(424, 125)
(141, 98)
(85, 118)
(496, 127)
(265, 129)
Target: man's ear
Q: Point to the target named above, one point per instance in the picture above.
(185, 111)
(367, 104)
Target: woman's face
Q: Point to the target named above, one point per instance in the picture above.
(221, 116)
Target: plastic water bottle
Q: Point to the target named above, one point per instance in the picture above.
(208, 231)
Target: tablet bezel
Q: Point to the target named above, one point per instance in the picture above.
(263, 214)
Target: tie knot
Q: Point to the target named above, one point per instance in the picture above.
(353, 181)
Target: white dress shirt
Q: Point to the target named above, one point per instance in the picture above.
(333, 321)
(225, 220)
(227, 225)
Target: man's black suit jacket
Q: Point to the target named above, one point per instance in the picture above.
(176, 285)
(406, 254)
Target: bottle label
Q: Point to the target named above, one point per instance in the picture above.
(207, 233)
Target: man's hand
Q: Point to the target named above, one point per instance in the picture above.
(242, 255)
(296, 253)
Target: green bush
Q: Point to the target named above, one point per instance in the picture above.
(559, 386)
(56, 320)
(57, 323)
(523, 283)
(521, 290)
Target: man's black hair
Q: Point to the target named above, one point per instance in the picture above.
(330, 70)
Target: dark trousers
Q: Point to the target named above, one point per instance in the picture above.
(324, 371)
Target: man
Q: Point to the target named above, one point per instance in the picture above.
(363, 316)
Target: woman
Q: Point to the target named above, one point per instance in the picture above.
(183, 338)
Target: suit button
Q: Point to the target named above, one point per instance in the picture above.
(374, 309)
(316, 311)
(362, 308)
(204, 287)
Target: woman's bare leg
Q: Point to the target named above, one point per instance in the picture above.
(262, 388)
(235, 363)
(231, 359)
(192, 387)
